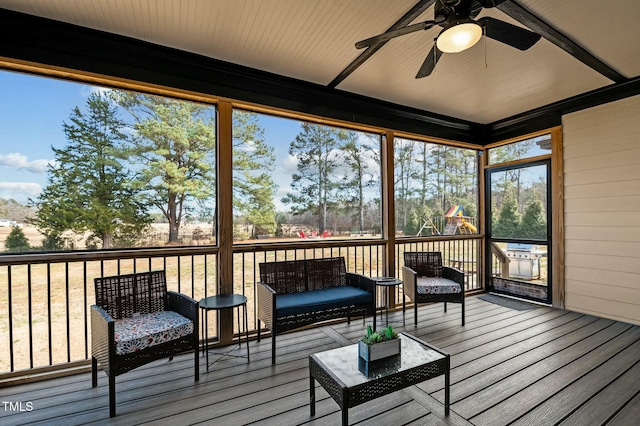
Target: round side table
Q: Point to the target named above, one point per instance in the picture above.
(386, 283)
(219, 302)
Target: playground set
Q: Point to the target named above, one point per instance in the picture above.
(457, 223)
(524, 260)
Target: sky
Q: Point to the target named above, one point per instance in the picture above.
(33, 109)
(31, 114)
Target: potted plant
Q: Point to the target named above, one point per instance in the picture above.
(377, 345)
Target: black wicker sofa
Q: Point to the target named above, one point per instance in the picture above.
(295, 293)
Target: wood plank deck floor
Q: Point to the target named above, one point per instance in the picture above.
(539, 366)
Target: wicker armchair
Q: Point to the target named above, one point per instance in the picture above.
(426, 280)
(136, 321)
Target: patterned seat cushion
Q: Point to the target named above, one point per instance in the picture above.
(427, 285)
(143, 331)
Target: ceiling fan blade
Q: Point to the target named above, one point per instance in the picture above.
(509, 34)
(395, 33)
(487, 4)
(430, 62)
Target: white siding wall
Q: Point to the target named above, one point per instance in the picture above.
(602, 210)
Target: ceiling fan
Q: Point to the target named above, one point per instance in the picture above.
(460, 30)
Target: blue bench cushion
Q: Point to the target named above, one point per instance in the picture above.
(320, 300)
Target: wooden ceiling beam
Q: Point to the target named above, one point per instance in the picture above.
(406, 19)
(537, 25)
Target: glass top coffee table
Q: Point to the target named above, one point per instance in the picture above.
(351, 381)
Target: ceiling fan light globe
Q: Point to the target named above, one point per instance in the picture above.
(459, 37)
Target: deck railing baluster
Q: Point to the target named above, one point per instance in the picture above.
(67, 314)
(84, 309)
(193, 276)
(10, 319)
(49, 313)
(30, 310)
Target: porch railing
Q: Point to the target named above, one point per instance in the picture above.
(46, 321)
(47, 318)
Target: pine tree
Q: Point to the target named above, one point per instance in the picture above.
(508, 223)
(440, 172)
(253, 166)
(16, 241)
(511, 152)
(534, 222)
(88, 186)
(316, 148)
(405, 170)
(357, 158)
(423, 176)
(173, 150)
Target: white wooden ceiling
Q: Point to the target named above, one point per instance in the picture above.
(314, 41)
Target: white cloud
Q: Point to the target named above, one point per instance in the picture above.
(20, 162)
(247, 146)
(19, 191)
(290, 164)
(88, 90)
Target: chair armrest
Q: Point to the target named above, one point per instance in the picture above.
(184, 305)
(361, 281)
(266, 304)
(267, 287)
(101, 316)
(453, 274)
(409, 282)
(100, 320)
(102, 336)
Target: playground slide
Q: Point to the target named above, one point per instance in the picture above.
(472, 228)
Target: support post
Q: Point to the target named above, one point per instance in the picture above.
(225, 216)
(388, 213)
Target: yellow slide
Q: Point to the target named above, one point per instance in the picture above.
(471, 228)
